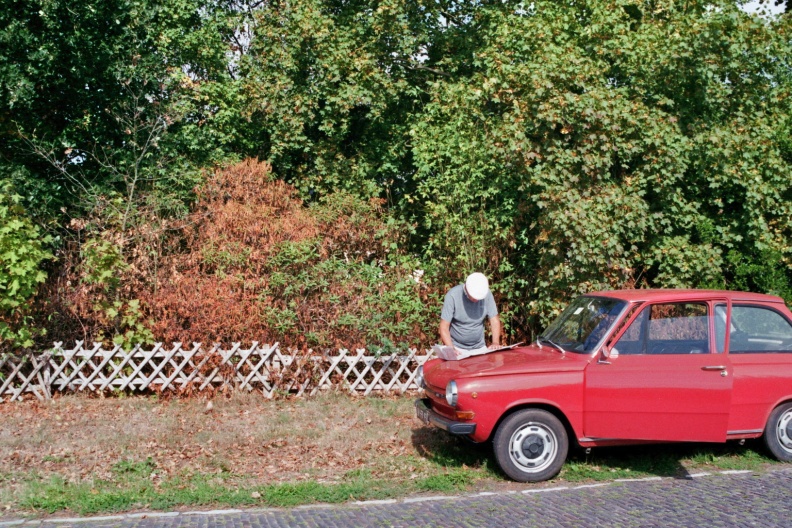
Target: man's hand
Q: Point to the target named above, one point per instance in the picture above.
(495, 328)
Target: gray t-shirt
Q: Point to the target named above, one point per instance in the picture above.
(467, 317)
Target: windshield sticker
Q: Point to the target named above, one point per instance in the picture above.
(578, 310)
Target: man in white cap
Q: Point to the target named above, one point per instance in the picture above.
(465, 308)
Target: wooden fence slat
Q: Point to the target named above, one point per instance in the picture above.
(257, 368)
(378, 376)
(69, 379)
(61, 377)
(420, 360)
(178, 369)
(101, 366)
(197, 370)
(403, 362)
(351, 368)
(26, 380)
(267, 368)
(226, 357)
(66, 360)
(43, 376)
(147, 356)
(412, 373)
(11, 377)
(245, 354)
(161, 366)
(329, 372)
(117, 368)
(282, 363)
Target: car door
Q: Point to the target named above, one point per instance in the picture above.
(664, 380)
(760, 352)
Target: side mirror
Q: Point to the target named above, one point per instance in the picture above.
(607, 354)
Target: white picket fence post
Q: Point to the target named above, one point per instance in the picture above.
(263, 368)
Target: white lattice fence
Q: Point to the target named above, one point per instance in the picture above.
(181, 370)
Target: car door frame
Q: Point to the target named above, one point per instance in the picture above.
(648, 397)
(761, 380)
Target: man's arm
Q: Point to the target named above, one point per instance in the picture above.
(495, 328)
(445, 332)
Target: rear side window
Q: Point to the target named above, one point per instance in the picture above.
(756, 329)
(720, 328)
(672, 328)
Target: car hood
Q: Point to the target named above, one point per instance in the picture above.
(523, 360)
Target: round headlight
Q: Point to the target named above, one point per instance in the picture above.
(419, 379)
(451, 393)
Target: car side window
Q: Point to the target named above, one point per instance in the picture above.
(756, 329)
(670, 328)
(632, 340)
(720, 328)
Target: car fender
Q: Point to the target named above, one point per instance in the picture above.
(559, 392)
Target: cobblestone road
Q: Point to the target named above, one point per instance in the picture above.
(724, 499)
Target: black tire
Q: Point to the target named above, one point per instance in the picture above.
(531, 445)
(778, 432)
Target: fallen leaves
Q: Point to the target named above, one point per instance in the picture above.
(249, 437)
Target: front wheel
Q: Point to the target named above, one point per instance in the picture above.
(778, 432)
(531, 445)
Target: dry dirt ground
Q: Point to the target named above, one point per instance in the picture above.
(321, 439)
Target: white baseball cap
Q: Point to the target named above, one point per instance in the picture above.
(477, 286)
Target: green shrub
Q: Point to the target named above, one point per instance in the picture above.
(23, 249)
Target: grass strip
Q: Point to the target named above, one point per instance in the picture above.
(133, 488)
(87, 498)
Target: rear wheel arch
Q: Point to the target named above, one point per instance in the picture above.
(775, 405)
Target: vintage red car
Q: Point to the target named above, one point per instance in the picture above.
(620, 367)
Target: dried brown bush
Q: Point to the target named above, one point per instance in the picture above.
(252, 262)
(260, 265)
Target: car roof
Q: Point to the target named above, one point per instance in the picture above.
(644, 295)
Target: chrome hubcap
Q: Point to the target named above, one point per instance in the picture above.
(533, 447)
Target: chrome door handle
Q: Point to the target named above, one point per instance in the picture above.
(714, 367)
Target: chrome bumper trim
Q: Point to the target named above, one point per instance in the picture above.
(428, 416)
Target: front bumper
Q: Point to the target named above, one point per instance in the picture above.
(425, 413)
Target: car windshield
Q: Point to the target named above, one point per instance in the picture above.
(583, 324)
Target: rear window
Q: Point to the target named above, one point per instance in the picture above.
(756, 329)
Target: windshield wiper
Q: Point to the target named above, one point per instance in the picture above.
(546, 340)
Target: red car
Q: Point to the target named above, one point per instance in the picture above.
(622, 367)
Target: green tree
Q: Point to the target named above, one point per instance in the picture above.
(561, 147)
(109, 110)
(334, 84)
(110, 96)
(609, 143)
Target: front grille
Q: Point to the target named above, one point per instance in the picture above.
(439, 404)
